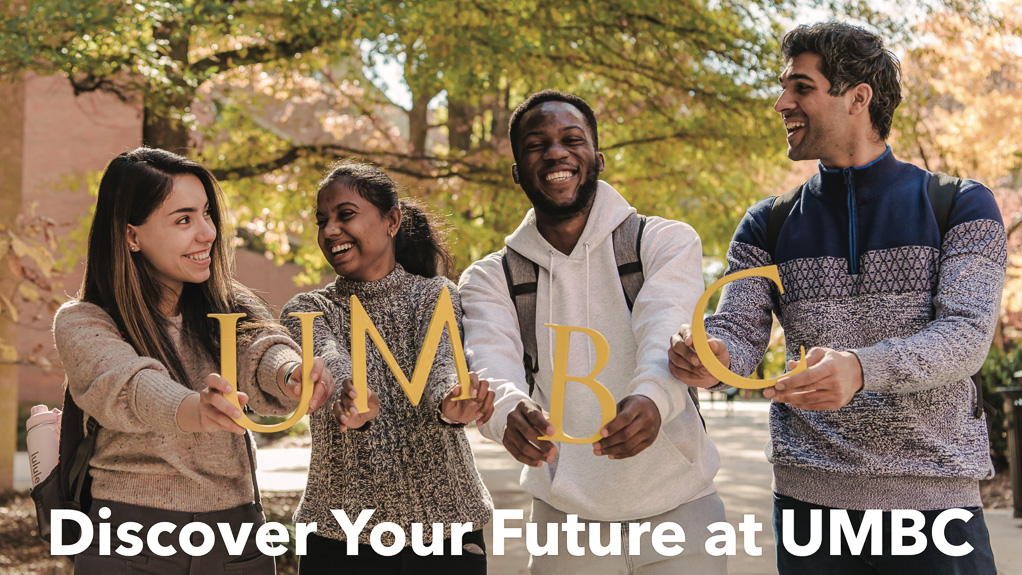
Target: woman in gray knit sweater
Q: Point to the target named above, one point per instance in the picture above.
(140, 356)
(411, 466)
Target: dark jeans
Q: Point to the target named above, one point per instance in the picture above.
(930, 561)
(324, 556)
(218, 561)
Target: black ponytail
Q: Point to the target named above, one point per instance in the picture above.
(420, 245)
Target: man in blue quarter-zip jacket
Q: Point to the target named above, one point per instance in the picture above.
(896, 317)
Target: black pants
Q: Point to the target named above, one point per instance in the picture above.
(325, 556)
(218, 561)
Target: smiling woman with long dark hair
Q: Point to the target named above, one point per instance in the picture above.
(410, 464)
(141, 358)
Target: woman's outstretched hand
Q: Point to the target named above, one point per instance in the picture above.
(479, 408)
(322, 381)
(347, 414)
(209, 411)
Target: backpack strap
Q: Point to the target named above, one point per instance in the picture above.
(941, 190)
(522, 281)
(628, 255)
(252, 469)
(76, 447)
(780, 209)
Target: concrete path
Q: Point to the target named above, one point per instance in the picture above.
(743, 483)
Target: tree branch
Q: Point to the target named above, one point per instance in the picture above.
(1013, 227)
(397, 164)
(263, 53)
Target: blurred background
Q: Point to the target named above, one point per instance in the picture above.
(268, 93)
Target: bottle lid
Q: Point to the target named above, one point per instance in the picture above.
(41, 414)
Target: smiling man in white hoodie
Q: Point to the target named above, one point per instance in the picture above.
(654, 464)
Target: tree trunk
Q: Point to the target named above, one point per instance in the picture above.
(166, 130)
(499, 127)
(460, 117)
(12, 150)
(418, 123)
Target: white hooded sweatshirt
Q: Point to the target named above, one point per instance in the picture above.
(583, 289)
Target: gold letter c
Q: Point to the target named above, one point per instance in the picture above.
(702, 344)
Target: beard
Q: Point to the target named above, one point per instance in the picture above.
(583, 197)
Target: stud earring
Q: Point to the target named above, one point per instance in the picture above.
(134, 248)
(392, 233)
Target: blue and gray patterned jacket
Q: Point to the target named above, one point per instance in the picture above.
(864, 269)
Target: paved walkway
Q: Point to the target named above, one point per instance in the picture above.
(743, 484)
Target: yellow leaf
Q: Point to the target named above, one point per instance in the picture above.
(20, 247)
(28, 292)
(8, 354)
(43, 258)
(12, 310)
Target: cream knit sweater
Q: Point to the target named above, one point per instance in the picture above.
(142, 457)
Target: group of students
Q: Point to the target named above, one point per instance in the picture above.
(139, 351)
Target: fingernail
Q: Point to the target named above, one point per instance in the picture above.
(229, 388)
(237, 414)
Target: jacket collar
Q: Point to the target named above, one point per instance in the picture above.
(868, 181)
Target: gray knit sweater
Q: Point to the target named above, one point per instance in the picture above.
(407, 466)
(865, 269)
(142, 457)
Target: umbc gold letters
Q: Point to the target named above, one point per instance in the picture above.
(443, 316)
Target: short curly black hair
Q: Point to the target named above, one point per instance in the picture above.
(550, 96)
(850, 56)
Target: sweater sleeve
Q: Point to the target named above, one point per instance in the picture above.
(966, 304)
(492, 340)
(108, 379)
(259, 358)
(325, 342)
(672, 265)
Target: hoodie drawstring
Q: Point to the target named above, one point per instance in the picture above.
(589, 348)
(550, 302)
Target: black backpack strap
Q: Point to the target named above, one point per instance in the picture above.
(941, 190)
(780, 209)
(252, 470)
(628, 255)
(522, 281)
(76, 447)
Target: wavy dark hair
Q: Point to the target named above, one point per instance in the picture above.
(421, 242)
(134, 185)
(538, 98)
(850, 56)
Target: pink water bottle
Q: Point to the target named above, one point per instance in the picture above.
(43, 441)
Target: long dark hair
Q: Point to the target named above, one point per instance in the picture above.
(420, 245)
(134, 185)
